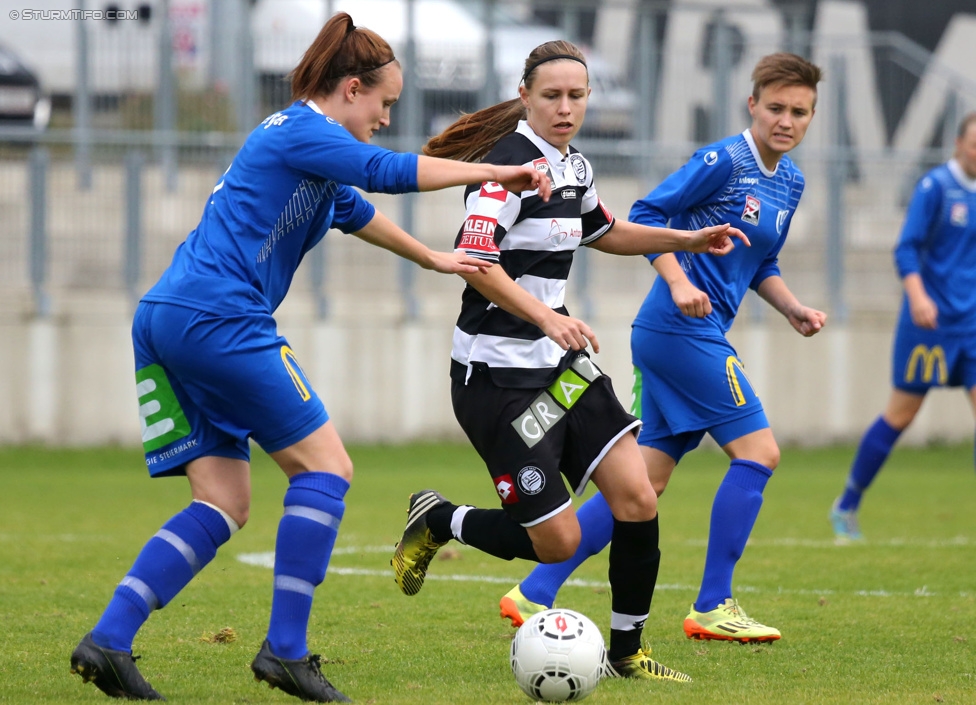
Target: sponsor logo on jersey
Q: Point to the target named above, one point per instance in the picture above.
(748, 180)
(606, 211)
(490, 189)
(781, 217)
(750, 214)
(579, 167)
(559, 233)
(959, 215)
(506, 489)
(478, 235)
(710, 158)
(568, 193)
(531, 480)
(542, 165)
(273, 120)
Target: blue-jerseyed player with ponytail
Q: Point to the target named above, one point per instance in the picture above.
(689, 380)
(213, 372)
(935, 340)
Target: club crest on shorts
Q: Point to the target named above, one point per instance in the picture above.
(750, 214)
(531, 480)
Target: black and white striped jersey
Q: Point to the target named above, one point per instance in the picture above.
(534, 242)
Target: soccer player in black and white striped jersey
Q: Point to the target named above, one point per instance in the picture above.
(524, 389)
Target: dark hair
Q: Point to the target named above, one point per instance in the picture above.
(341, 49)
(472, 136)
(784, 69)
(968, 119)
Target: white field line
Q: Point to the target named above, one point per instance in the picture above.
(266, 560)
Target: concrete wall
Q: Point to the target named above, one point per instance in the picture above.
(68, 379)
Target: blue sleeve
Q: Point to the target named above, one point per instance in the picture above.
(324, 149)
(922, 211)
(699, 180)
(770, 265)
(352, 211)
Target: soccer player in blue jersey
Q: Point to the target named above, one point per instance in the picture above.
(935, 340)
(524, 390)
(689, 380)
(212, 371)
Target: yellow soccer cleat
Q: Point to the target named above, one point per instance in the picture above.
(641, 665)
(727, 622)
(517, 608)
(417, 546)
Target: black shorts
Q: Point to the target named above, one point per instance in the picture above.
(527, 437)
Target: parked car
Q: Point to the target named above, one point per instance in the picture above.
(22, 102)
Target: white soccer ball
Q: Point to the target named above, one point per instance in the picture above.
(558, 655)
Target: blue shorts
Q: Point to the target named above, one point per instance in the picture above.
(922, 358)
(685, 387)
(207, 383)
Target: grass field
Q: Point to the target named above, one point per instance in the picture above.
(890, 621)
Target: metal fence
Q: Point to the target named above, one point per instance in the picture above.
(101, 199)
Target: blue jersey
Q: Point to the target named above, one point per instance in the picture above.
(725, 182)
(938, 242)
(290, 182)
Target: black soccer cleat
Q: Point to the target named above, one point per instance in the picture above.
(113, 672)
(299, 677)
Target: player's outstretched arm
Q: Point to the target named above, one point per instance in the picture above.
(499, 288)
(807, 321)
(434, 173)
(626, 238)
(383, 232)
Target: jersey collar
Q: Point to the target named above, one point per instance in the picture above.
(548, 151)
(311, 104)
(755, 154)
(959, 175)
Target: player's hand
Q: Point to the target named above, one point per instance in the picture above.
(456, 263)
(524, 178)
(925, 314)
(568, 332)
(716, 239)
(807, 321)
(690, 300)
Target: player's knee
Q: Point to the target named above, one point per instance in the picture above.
(772, 457)
(557, 549)
(637, 505)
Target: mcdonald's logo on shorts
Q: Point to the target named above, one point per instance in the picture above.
(925, 360)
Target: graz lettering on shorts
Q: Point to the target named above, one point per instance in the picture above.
(925, 360)
(295, 371)
(162, 418)
(550, 406)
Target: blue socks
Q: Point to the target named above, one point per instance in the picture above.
(596, 526)
(872, 453)
(734, 513)
(170, 559)
(306, 535)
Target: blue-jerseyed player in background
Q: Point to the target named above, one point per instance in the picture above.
(212, 371)
(935, 341)
(689, 380)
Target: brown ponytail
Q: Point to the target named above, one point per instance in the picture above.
(472, 136)
(341, 49)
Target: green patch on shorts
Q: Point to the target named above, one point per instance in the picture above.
(162, 417)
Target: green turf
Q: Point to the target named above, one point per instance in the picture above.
(892, 621)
